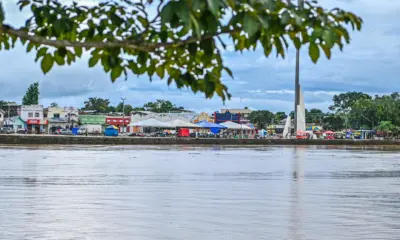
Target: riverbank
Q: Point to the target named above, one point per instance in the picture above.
(86, 140)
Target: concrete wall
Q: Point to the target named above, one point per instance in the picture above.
(44, 139)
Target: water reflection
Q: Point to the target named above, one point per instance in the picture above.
(296, 208)
(175, 192)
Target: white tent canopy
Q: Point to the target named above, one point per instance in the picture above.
(178, 123)
(235, 126)
(152, 123)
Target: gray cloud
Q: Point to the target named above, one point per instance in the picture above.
(368, 64)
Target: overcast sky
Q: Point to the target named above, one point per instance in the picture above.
(370, 64)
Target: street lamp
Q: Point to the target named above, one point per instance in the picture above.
(123, 113)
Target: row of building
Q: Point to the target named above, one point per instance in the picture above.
(37, 119)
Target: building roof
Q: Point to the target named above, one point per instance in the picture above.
(236, 110)
(11, 120)
(2, 111)
(57, 120)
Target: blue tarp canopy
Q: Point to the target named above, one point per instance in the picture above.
(214, 128)
(205, 124)
(111, 131)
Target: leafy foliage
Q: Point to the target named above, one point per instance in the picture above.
(32, 95)
(182, 42)
(261, 118)
(279, 116)
(53, 104)
(98, 104)
(161, 106)
(126, 108)
(103, 106)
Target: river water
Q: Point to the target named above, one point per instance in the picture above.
(177, 192)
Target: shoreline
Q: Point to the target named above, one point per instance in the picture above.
(13, 139)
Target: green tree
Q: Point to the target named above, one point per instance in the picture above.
(53, 104)
(32, 95)
(261, 118)
(333, 122)
(345, 101)
(314, 116)
(98, 104)
(162, 106)
(279, 116)
(387, 127)
(183, 42)
(127, 109)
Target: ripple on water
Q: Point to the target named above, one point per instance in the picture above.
(191, 192)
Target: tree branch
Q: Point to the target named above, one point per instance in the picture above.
(134, 45)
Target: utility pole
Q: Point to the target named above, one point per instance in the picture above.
(297, 78)
(123, 113)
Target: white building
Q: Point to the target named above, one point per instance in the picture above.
(2, 113)
(71, 114)
(33, 116)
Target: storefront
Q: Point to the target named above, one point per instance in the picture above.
(36, 126)
(121, 122)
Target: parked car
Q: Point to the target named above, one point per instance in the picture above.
(22, 131)
(6, 130)
(65, 132)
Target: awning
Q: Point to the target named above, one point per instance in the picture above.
(37, 122)
(151, 123)
(236, 126)
(182, 124)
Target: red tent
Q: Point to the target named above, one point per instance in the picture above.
(183, 132)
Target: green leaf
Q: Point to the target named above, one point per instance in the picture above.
(94, 60)
(183, 12)
(327, 51)
(329, 37)
(2, 14)
(58, 59)
(285, 18)
(160, 71)
(213, 5)
(250, 25)
(196, 25)
(47, 63)
(30, 47)
(167, 13)
(314, 52)
(116, 73)
(317, 33)
(296, 42)
(78, 51)
(41, 52)
(228, 71)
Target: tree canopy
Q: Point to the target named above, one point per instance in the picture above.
(162, 106)
(182, 42)
(261, 118)
(31, 96)
(104, 106)
(98, 104)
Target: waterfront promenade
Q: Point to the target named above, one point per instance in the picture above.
(101, 140)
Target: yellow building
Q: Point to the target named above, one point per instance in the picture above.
(203, 117)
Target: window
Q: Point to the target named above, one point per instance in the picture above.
(56, 115)
(36, 114)
(0, 115)
(30, 114)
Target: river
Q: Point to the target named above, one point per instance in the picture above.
(181, 192)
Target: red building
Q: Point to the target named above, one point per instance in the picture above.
(119, 122)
